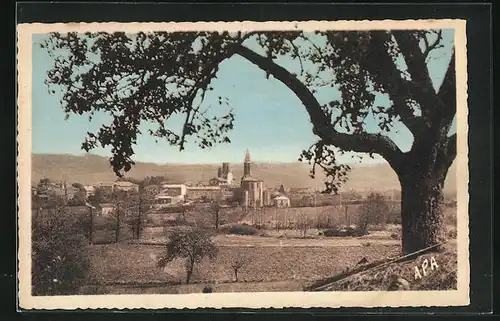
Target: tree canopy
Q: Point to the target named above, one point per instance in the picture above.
(192, 245)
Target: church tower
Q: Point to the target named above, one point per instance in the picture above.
(246, 165)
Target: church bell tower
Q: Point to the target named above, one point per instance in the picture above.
(246, 165)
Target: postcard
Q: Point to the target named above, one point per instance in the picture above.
(243, 164)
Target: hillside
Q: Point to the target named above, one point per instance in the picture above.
(92, 169)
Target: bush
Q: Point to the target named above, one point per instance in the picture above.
(394, 217)
(59, 262)
(349, 231)
(372, 212)
(243, 229)
(335, 233)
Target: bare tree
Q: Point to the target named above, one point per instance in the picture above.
(123, 206)
(238, 261)
(303, 223)
(216, 208)
(140, 204)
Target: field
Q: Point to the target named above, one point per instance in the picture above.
(121, 266)
(279, 258)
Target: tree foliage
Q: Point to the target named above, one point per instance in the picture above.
(192, 245)
(373, 211)
(149, 77)
(59, 261)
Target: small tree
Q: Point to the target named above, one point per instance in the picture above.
(183, 211)
(98, 197)
(238, 261)
(192, 245)
(140, 204)
(372, 211)
(59, 264)
(122, 209)
(216, 209)
(303, 224)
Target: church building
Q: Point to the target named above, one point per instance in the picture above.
(224, 176)
(251, 187)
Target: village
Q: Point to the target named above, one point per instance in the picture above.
(248, 193)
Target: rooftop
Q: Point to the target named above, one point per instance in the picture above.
(250, 179)
(203, 188)
(124, 183)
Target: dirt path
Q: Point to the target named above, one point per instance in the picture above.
(263, 241)
(259, 241)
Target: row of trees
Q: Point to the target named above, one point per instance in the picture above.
(374, 210)
(50, 194)
(128, 208)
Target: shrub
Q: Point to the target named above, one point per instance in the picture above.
(334, 233)
(373, 211)
(349, 231)
(59, 262)
(243, 229)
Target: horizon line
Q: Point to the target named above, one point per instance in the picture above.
(372, 162)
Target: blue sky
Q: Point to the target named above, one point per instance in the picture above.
(269, 119)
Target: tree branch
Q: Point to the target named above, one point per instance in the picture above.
(434, 45)
(386, 73)
(417, 67)
(322, 127)
(451, 148)
(448, 95)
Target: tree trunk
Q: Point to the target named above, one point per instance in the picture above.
(236, 274)
(91, 227)
(139, 221)
(117, 231)
(189, 272)
(421, 209)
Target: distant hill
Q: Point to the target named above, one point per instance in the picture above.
(92, 169)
